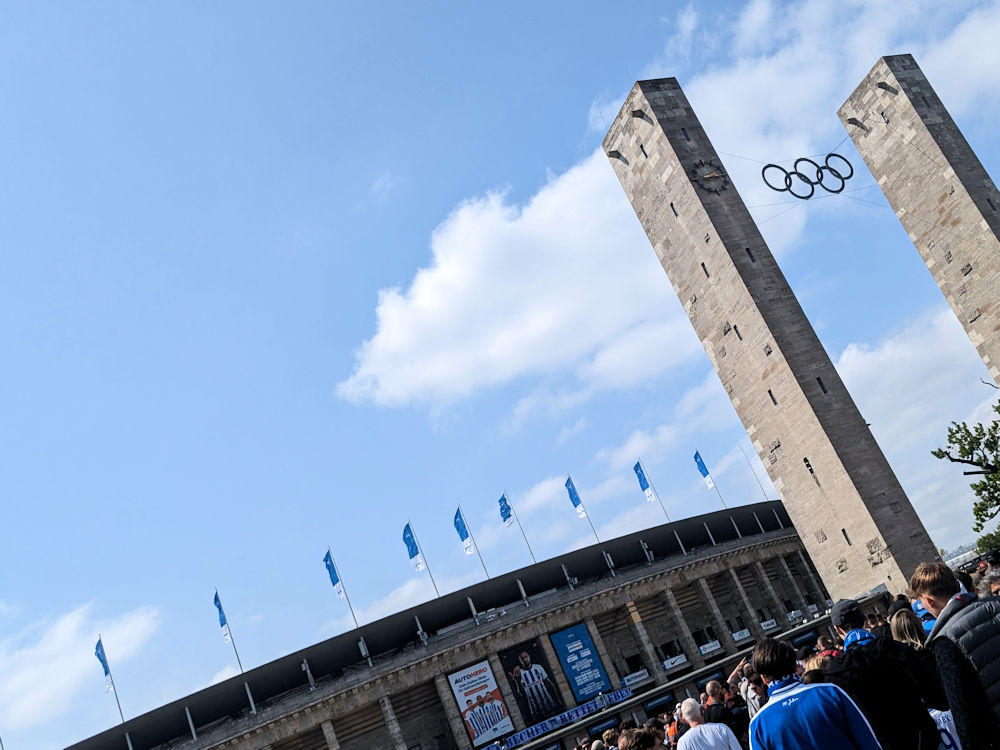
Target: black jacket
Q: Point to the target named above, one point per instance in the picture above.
(893, 685)
(966, 646)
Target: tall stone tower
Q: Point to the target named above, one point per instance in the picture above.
(942, 195)
(850, 511)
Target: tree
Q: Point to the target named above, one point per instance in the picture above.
(979, 447)
(989, 542)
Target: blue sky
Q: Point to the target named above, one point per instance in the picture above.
(277, 279)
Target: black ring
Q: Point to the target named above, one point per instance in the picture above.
(812, 182)
(850, 166)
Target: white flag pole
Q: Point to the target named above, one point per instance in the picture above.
(589, 521)
(752, 471)
(111, 678)
(424, 557)
(232, 638)
(646, 474)
(344, 587)
(514, 512)
(469, 529)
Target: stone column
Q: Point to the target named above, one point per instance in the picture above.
(389, 716)
(800, 598)
(509, 699)
(602, 652)
(455, 721)
(687, 640)
(641, 635)
(816, 585)
(331, 737)
(776, 603)
(569, 700)
(752, 622)
(725, 637)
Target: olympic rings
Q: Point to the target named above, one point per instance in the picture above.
(802, 184)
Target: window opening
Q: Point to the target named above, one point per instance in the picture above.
(751, 255)
(885, 117)
(736, 330)
(822, 385)
(846, 538)
(674, 209)
(773, 399)
(685, 132)
(643, 149)
(703, 268)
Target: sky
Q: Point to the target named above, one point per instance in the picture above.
(278, 278)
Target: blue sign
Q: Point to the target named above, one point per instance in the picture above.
(568, 717)
(580, 662)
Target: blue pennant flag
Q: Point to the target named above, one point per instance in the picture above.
(102, 657)
(331, 568)
(574, 497)
(704, 470)
(506, 513)
(412, 549)
(644, 484)
(463, 533)
(226, 635)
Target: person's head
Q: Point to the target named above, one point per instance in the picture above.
(990, 583)
(597, 745)
(610, 736)
(773, 659)
(627, 724)
(758, 686)
(933, 584)
(636, 739)
(965, 579)
(907, 628)
(824, 643)
(691, 711)
(703, 698)
(468, 703)
(846, 615)
(655, 726)
(714, 690)
(812, 676)
(525, 658)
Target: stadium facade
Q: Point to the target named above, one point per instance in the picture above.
(534, 658)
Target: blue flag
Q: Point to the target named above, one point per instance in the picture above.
(412, 549)
(644, 484)
(331, 568)
(463, 533)
(704, 470)
(574, 497)
(102, 657)
(226, 635)
(506, 513)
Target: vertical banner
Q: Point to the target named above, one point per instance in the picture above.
(480, 703)
(580, 662)
(531, 680)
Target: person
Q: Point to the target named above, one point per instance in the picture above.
(797, 716)
(893, 686)
(989, 585)
(636, 739)
(702, 735)
(537, 686)
(715, 711)
(756, 694)
(656, 728)
(825, 647)
(908, 628)
(610, 738)
(965, 642)
(597, 745)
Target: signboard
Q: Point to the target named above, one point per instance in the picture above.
(480, 703)
(717, 676)
(768, 624)
(709, 647)
(794, 615)
(596, 730)
(631, 679)
(664, 702)
(530, 679)
(739, 635)
(674, 661)
(813, 608)
(805, 639)
(567, 717)
(580, 662)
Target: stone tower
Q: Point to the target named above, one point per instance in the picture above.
(850, 511)
(938, 189)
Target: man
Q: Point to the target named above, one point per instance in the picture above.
(889, 681)
(965, 642)
(538, 688)
(715, 711)
(704, 736)
(656, 728)
(636, 739)
(756, 694)
(797, 716)
(610, 738)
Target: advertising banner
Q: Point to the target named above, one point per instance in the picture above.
(531, 680)
(480, 703)
(580, 662)
(568, 717)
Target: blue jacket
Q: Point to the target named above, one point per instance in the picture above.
(820, 716)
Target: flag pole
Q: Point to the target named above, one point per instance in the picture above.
(752, 471)
(426, 563)
(467, 528)
(589, 521)
(111, 677)
(720, 494)
(530, 551)
(343, 586)
(646, 474)
(232, 638)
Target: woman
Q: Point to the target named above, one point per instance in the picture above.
(908, 628)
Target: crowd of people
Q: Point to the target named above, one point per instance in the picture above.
(925, 675)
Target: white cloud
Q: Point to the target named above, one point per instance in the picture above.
(568, 432)
(383, 185)
(43, 667)
(224, 674)
(651, 446)
(910, 387)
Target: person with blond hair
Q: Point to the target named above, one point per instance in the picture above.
(965, 642)
(907, 628)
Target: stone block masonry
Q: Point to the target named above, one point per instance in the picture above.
(937, 187)
(853, 517)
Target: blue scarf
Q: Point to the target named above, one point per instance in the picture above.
(782, 683)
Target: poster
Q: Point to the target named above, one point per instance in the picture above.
(580, 662)
(530, 678)
(480, 703)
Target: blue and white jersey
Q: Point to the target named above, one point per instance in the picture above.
(820, 716)
(535, 689)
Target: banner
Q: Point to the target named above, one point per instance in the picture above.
(568, 717)
(480, 703)
(580, 662)
(531, 680)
